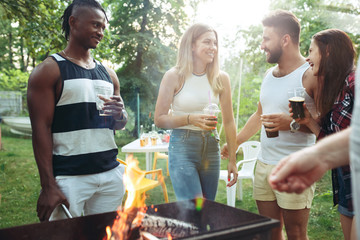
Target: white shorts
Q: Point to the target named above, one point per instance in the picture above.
(91, 194)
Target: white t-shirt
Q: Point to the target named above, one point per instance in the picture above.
(274, 99)
(193, 97)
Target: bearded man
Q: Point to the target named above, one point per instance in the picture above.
(281, 31)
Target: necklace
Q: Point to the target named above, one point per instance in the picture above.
(87, 65)
(199, 74)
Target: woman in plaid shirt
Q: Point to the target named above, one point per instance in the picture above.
(331, 56)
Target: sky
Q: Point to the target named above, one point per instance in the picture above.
(227, 16)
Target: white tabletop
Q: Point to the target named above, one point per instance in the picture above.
(134, 146)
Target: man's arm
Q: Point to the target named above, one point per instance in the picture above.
(301, 169)
(252, 126)
(41, 103)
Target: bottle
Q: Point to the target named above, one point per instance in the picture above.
(141, 130)
(153, 135)
(142, 136)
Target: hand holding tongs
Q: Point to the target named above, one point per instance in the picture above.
(67, 212)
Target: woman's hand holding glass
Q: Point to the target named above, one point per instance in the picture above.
(205, 122)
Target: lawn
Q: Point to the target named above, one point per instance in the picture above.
(19, 190)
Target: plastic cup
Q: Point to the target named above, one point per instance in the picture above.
(212, 109)
(101, 93)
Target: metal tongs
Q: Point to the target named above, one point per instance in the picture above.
(66, 210)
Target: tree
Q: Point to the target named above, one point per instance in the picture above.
(314, 16)
(144, 36)
(30, 31)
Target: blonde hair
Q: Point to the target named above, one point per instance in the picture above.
(184, 64)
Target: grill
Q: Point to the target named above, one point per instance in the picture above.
(215, 221)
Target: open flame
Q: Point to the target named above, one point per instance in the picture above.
(132, 178)
(130, 216)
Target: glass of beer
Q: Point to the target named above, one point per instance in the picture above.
(144, 140)
(297, 99)
(153, 140)
(271, 134)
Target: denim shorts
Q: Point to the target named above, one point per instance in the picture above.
(194, 163)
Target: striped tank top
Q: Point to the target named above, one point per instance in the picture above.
(83, 141)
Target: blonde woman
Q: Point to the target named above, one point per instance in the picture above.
(196, 80)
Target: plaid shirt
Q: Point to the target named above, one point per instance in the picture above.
(336, 120)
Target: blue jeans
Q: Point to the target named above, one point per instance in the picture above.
(345, 195)
(194, 164)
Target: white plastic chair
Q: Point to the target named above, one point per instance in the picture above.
(250, 151)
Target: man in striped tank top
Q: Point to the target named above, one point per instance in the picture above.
(74, 146)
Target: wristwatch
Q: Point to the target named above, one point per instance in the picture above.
(294, 126)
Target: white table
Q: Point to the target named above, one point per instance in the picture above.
(134, 147)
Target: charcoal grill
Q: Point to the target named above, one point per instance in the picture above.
(215, 221)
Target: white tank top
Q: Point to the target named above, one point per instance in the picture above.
(274, 99)
(193, 97)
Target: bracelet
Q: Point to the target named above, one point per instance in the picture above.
(188, 119)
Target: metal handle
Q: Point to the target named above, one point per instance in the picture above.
(67, 212)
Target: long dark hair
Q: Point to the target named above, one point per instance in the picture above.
(337, 62)
(69, 10)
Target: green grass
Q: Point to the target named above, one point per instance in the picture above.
(19, 190)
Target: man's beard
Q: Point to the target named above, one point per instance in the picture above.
(274, 55)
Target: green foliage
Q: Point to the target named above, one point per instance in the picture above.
(26, 27)
(14, 80)
(143, 37)
(318, 15)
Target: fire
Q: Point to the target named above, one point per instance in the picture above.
(128, 215)
(108, 233)
(132, 221)
(132, 178)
